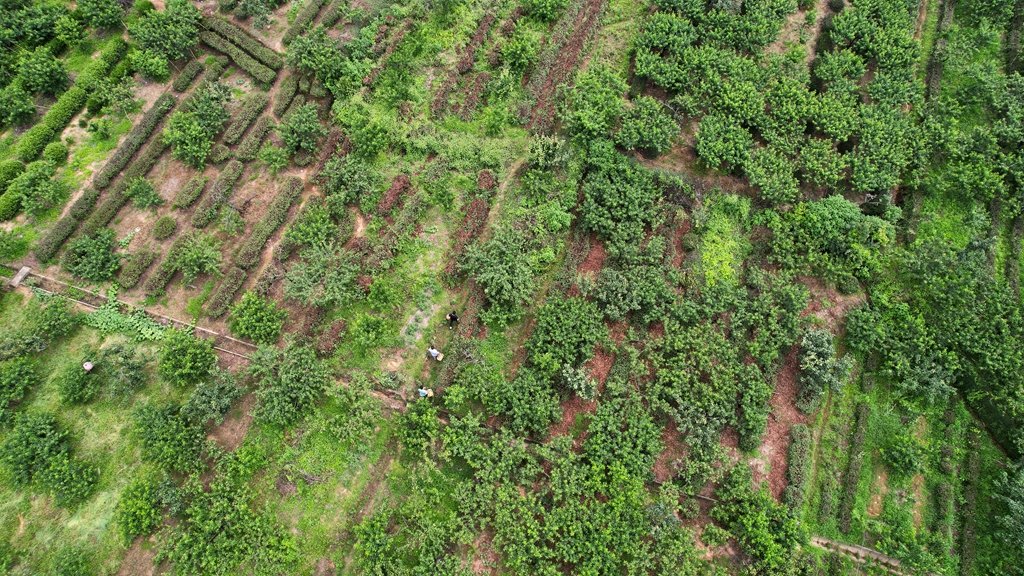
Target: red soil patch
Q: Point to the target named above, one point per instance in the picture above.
(599, 366)
(665, 466)
(485, 557)
(571, 408)
(473, 93)
(399, 186)
(469, 52)
(138, 561)
(834, 315)
(324, 567)
(617, 331)
(678, 253)
(230, 433)
(775, 444)
(657, 330)
(730, 440)
(594, 260)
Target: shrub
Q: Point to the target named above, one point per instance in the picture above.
(212, 399)
(301, 129)
(134, 141)
(190, 192)
(248, 64)
(167, 439)
(619, 198)
(250, 145)
(17, 108)
(593, 107)
(103, 69)
(288, 382)
(274, 157)
(243, 40)
(50, 125)
(17, 376)
(9, 170)
(565, 334)
(71, 561)
(70, 481)
(75, 385)
(257, 319)
(139, 511)
(820, 370)
(903, 455)
(225, 292)
(100, 13)
(722, 142)
(185, 359)
(40, 72)
(35, 188)
(772, 173)
(55, 153)
(37, 451)
(544, 10)
(347, 180)
(220, 191)
(142, 193)
(504, 270)
(92, 257)
(188, 74)
(191, 131)
(647, 126)
(123, 371)
(249, 254)
(134, 266)
(285, 94)
(247, 113)
(219, 154)
(303, 19)
(312, 227)
(164, 227)
(195, 254)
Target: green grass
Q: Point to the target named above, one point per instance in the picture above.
(91, 151)
(723, 243)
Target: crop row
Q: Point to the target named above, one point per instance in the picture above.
(306, 15)
(469, 52)
(118, 197)
(798, 469)
(472, 225)
(240, 38)
(399, 186)
(135, 265)
(247, 113)
(220, 191)
(853, 469)
(225, 293)
(187, 75)
(134, 141)
(66, 226)
(250, 145)
(249, 254)
(70, 103)
(190, 192)
(285, 93)
(161, 277)
(241, 58)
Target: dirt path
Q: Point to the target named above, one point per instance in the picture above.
(771, 463)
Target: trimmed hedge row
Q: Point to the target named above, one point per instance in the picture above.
(49, 245)
(225, 293)
(285, 92)
(219, 154)
(51, 125)
(188, 194)
(243, 40)
(249, 254)
(250, 145)
(297, 103)
(188, 74)
(853, 469)
(798, 469)
(306, 15)
(215, 67)
(247, 113)
(117, 196)
(250, 65)
(219, 194)
(160, 278)
(135, 265)
(134, 141)
(333, 13)
(9, 170)
(103, 65)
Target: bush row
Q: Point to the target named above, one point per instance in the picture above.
(9, 170)
(799, 466)
(219, 194)
(51, 125)
(161, 277)
(853, 469)
(189, 73)
(243, 40)
(249, 254)
(333, 13)
(247, 113)
(285, 93)
(134, 266)
(225, 293)
(215, 67)
(188, 194)
(66, 226)
(250, 65)
(306, 15)
(118, 195)
(250, 145)
(219, 154)
(103, 65)
(134, 141)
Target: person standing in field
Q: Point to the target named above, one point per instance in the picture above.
(453, 319)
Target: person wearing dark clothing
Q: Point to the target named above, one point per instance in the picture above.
(453, 319)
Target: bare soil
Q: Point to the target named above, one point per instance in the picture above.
(571, 408)
(665, 466)
(324, 567)
(771, 462)
(878, 491)
(485, 557)
(600, 365)
(230, 433)
(594, 260)
(138, 561)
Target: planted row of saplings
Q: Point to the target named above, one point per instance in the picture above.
(246, 52)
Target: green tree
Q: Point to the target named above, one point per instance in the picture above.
(170, 33)
(723, 142)
(16, 105)
(301, 129)
(93, 257)
(143, 194)
(257, 319)
(100, 13)
(274, 157)
(288, 382)
(593, 107)
(185, 359)
(647, 126)
(195, 254)
(40, 72)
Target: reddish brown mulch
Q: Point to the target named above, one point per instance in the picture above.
(399, 186)
(617, 331)
(775, 444)
(657, 330)
(665, 465)
(328, 340)
(678, 253)
(594, 260)
(473, 92)
(469, 52)
(599, 366)
(565, 63)
(571, 408)
(485, 180)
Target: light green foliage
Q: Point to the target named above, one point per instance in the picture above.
(723, 143)
(564, 335)
(723, 245)
(92, 257)
(143, 194)
(257, 319)
(100, 13)
(139, 511)
(647, 126)
(40, 72)
(773, 174)
(195, 254)
(593, 107)
(288, 382)
(274, 157)
(301, 129)
(325, 276)
(17, 376)
(168, 34)
(36, 189)
(186, 359)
